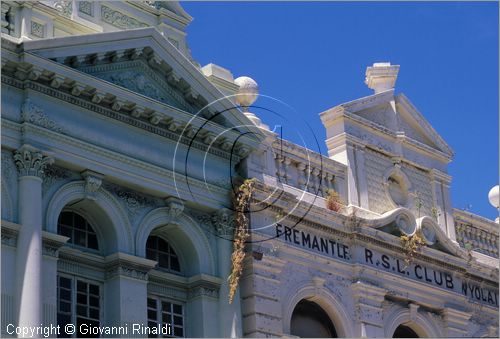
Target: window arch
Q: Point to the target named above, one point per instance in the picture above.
(78, 229)
(309, 320)
(160, 250)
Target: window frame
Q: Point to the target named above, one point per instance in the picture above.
(74, 303)
(159, 314)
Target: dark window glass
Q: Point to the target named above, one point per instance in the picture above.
(81, 310)
(64, 282)
(151, 303)
(94, 289)
(81, 286)
(81, 298)
(64, 307)
(178, 332)
(79, 231)
(66, 231)
(160, 250)
(65, 294)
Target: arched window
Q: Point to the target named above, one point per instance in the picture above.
(311, 321)
(403, 331)
(78, 229)
(160, 250)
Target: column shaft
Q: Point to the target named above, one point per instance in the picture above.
(29, 251)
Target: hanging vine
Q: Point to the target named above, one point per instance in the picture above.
(411, 245)
(241, 234)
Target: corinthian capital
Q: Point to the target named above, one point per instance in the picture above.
(31, 162)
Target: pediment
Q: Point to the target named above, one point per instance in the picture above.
(416, 127)
(137, 76)
(397, 114)
(144, 62)
(381, 114)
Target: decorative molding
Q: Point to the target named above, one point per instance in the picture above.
(33, 114)
(93, 182)
(119, 19)
(9, 236)
(116, 264)
(162, 289)
(138, 64)
(203, 291)
(136, 81)
(37, 29)
(51, 243)
(53, 174)
(64, 7)
(223, 222)
(134, 202)
(31, 162)
(86, 7)
(8, 166)
(175, 207)
(127, 272)
(136, 122)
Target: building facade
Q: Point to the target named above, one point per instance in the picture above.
(120, 154)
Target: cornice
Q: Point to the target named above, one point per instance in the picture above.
(160, 52)
(346, 112)
(395, 137)
(173, 129)
(119, 158)
(355, 105)
(77, 84)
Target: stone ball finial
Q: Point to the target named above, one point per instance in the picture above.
(248, 91)
(493, 196)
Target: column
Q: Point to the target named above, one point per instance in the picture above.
(229, 314)
(31, 164)
(368, 301)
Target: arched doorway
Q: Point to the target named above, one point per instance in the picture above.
(403, 331)
(309, 320)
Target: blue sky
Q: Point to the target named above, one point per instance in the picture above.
(313, 56)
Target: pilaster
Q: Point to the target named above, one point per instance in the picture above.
(126, 289)
(368, 307)
(361, 177)
(455, 322)
(203, 304)
(260, 295)
(229, 314)
(51, 243)
(441, 197)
